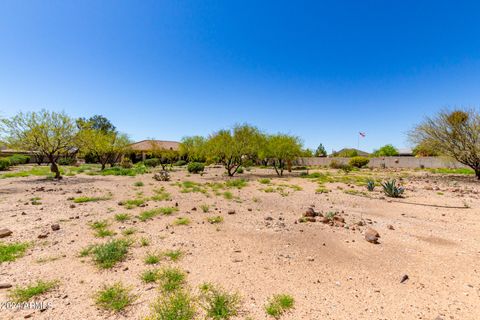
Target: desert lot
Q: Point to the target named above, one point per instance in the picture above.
(258, 244)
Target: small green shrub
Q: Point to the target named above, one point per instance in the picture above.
(228, 195)
(153, 162)
(152, 258)
(195, 167)
(171, 279)
(180, 163)
(24, 294)
(215, 219)
(358, 162)
(174, 255)
(132, 203)
(240, 170)
(129, 231)
(17, 159)
(138, 184)
(236, 183)
(182, 221)
(107, 255)
(219, 304)
(126, 163)
(114, 297)
(12, 251)
(90, 199)
(178, 305)
(121, 217)
(391, 189)
(66, 161)
(4, 164)
(150, 214)
(265, 180)
(144, 242)
(370, 185)
(149, 276)
(279, 304)
(205, 208)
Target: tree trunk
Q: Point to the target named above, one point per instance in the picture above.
(103, 166)
(54, 169)
(477, 173)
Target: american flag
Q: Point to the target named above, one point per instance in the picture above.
(362, 134)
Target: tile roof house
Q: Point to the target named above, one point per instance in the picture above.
(145, 146)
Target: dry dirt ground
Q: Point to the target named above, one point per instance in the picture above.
(259, 250)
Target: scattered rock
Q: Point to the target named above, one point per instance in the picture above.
(5, 285)
(72, 206)
(43, 235)
(390, 227)
(194, 209)
(404, 278)
(55, 227)
(371, 235)
(5, 233)
(231, 212)
(309, 213)
(268, 218)
(310, 259)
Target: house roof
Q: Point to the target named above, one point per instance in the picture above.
(147, 145)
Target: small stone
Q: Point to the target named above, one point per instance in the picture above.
(371, 235)
(72, 206)
(5, 285)
(231, 212)
(268, 218)
(390, 227)
(43, 235)
(5, 233)
(310, 259)
(194, 209)
(309, 213)
(404, 278)
(55, 227)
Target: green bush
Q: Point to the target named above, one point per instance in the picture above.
(4, 163)
(358, 162)
(180, 163)
(240, 170)
(195, 167)
(153, 162)
(65, 161)
(126, 163)
(19, 159)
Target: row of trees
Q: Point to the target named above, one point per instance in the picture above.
(455, 134)
(243, 145)
(53, 135)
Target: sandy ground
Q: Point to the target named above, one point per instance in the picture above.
(332, 272)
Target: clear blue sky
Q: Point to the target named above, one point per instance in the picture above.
(323, 70)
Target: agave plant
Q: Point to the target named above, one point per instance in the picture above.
(370, 185)
(391, 189)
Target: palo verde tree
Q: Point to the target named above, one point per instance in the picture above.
(47, 134)
(165, 156)
(233, 147)
(105, 146)
(455, 134)
(386, 151)
(192, 148)
(281, 150)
